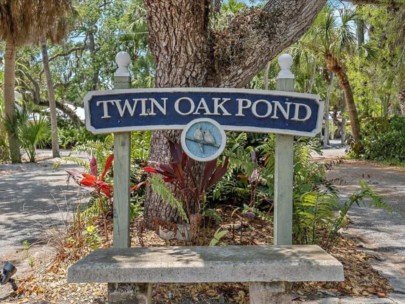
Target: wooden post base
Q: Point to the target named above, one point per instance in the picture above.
(123, 293)
(269, 293)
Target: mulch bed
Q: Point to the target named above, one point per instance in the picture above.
(49, 283)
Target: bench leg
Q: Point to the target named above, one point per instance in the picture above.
(269, 293)
(123, 293)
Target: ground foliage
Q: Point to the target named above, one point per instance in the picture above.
(48, 284)
(384, 139)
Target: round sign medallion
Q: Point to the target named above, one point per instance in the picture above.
(203, 139)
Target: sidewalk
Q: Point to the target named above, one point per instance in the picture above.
(33, 198)
(380, 233)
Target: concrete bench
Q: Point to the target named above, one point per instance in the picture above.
(131, 271)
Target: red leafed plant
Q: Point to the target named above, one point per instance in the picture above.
(103, 189)
(186, 187)
(91, 179)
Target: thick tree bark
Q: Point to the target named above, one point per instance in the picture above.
(9, 99)
(258, 36)
(378, 2)
(188, 53)
(52, 103)
(178, 39)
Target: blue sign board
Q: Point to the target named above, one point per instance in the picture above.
(233, 109)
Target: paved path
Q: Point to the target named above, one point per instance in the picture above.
(381, 233)
(33, 198)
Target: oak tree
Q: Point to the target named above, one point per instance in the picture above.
(190, 51)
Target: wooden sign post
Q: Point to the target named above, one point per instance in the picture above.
(284, 166)
(122, 152)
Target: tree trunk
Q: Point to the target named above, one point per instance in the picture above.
(350, 104)
(188, 53)
(334, 66)
(360, 32)
(92, 49)
(52, 103)
(402, 98)
(327, 103)
(178, 38)
(9, 99)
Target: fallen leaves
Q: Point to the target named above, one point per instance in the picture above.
(49, 285)
(360, 278)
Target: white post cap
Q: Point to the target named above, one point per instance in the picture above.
(123, 60)
(285, 61)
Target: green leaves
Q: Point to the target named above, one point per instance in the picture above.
(218, 235)
(31, 131)
(32, 134)
(166, 194)
(313, 211)
(357, 198)
(384, 139)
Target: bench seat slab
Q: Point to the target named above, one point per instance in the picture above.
(196, 264)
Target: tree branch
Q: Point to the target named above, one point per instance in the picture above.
(36, 91)
(79, 48)
(257, 36)
(62, 106)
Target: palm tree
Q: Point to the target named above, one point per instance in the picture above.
(52, 102)
(332, 37)
(25, 22)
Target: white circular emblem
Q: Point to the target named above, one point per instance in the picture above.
(203, 139)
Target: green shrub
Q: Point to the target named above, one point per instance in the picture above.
(32, 134)
(249, 182)
(318, 216)
(70, 137)
(384, 139)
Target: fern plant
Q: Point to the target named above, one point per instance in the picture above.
(100, 149)
(365, 196)
(313, 211)
(160, 187)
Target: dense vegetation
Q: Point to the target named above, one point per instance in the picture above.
(384, 139)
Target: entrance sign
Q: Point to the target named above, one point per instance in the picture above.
(204, 114)
(234, 109)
